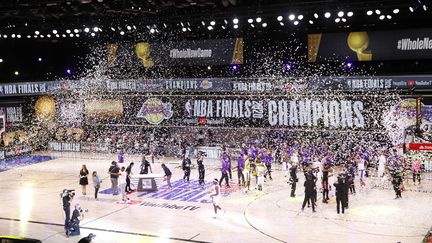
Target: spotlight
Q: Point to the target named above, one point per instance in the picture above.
(76, 30)
(369, 12)
(39, 59)
(296, 22)
(71, 35)
(344, 20)
(19, 36)
(57, 35)
(122, 32)
(341, 14)
(235, 21)
(348, 66)
(93, 34)
(381, 17)
(235, 26)
(28, 36)
(258, 20)
(86, 30)
(212, 23)
(234, 68)
(16, 73)
(279, 18)
(225, 21)
(68, 71)
(327, 15)
(112, 28)
(350, 14)
(316, 15)
(389, 16)
(291, 17)
(184, 29)
(264, 25)
(54, 32)
(252, 25)
(4, 36)
(281, 23)
(411, 9)
(209, 67)
(337, 20)
(203, 23)
(311, 22)
(378, 12)
(37, 32)
(13, 35)
(1, 60)
(49, 36)
(42, 36)
(77, 35)
(396, 10)
(152, 30)
(63, 35)
(210, 27)
(68, 31)
(129, 27)
(424, 7)
(300, 17)
(250, 21)
(287, 67)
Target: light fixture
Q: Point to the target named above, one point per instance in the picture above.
(291, 17)
(16, 73)
(76, 30)
(350, 14)
(68, 31)
(341, 14)
(369, 12)
(327, 15)
(396, 11)
(389, 16)
(203, 23)
(93, 34)
(57, 35)
(411, 9)
(424, 7)
(63, 35)
(77, 35)
(152, 30)
(311, 22)
(209, 27)
(129, 27)
(264, 25)
(316, 15)
(122, 32)
(281, 23)
(1, 60)
(225, 21)
(19, 36)
(112, 28)
(37, 32)
(235, 21)
(300, 17)
(344, 20)
(71, 35)
(209, 67)
(378, 12)
(235, 26)
(279, 18)
(250, 21)
(337, 20)
(184, 29)
(13, 35)
(4, 36)
(212, 23)
(258, 20)
(252, 25)
(48, 35)
(28, 36)
(54, 32)
(296, 22)
(86, 30)
(39, 59)
(381, 17)
(41, 36)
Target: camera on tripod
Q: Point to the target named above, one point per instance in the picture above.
(66, 192)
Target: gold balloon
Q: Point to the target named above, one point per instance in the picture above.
(359, 42)
(45, 107)
(143, 50)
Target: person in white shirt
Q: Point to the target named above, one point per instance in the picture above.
(122, 184)
(381, 164)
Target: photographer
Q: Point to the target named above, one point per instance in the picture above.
(67, 196)
(77, 216)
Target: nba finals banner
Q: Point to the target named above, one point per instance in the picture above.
(370, 45)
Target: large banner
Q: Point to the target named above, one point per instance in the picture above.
(371, 45)
(184, 53)
(309, 112)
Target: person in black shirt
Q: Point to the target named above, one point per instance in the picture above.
(201, 170)
(74, 228)
(83, 179)
(87, 239)
(340, 194)
(128, 173)
(186, 164)
(145, 166)
(293, 179)
(67, 197)
(114, 171)
(325, 181)
(310, 188)
(168, 175)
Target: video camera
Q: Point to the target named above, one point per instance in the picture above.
(66, 192)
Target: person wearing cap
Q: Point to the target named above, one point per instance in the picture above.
(87, 239)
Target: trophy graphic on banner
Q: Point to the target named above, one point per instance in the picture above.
(143, 50)
(358, 42)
